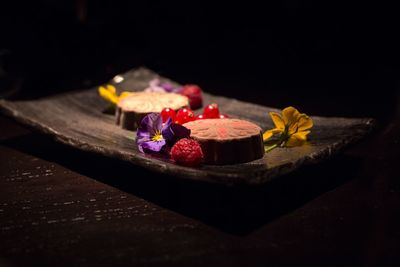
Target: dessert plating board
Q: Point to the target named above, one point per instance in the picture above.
(77, 119)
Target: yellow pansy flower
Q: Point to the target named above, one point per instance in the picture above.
(292, 127)
(109, 93)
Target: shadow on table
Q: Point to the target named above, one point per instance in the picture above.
(238, 210)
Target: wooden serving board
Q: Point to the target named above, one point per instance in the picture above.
(77, 119)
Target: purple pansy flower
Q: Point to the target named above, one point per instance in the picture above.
(155, 85)
(170, 88)
(153, 135)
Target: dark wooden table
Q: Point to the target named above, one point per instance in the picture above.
(63, 207)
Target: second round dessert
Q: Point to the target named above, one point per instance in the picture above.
(131, 109)
(227, 141)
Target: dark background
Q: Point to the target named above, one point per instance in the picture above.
(336, 59)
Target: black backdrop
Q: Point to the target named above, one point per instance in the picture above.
(327, 59)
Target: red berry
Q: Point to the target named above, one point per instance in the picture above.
(211, 111)
(184, 115)
(193, 92)
(223, 116)
(200, 117)
(187, 152)
(167, 113)
(192, 89)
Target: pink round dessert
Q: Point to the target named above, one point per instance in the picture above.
(227, 141)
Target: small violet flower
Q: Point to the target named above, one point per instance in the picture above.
(155, 85)
(154, 136)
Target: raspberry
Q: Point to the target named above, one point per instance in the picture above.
(193, 92)
(187, 152)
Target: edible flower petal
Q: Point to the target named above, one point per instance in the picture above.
(155, 85)
(292, 128)
(153, 136)
(175, 132)
(109, 93)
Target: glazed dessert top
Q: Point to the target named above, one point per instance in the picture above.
(222, 129)
(146, 102)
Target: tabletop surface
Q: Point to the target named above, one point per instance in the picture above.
(60, 206)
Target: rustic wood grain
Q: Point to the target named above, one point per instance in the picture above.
(60, 206)
(77, 119)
